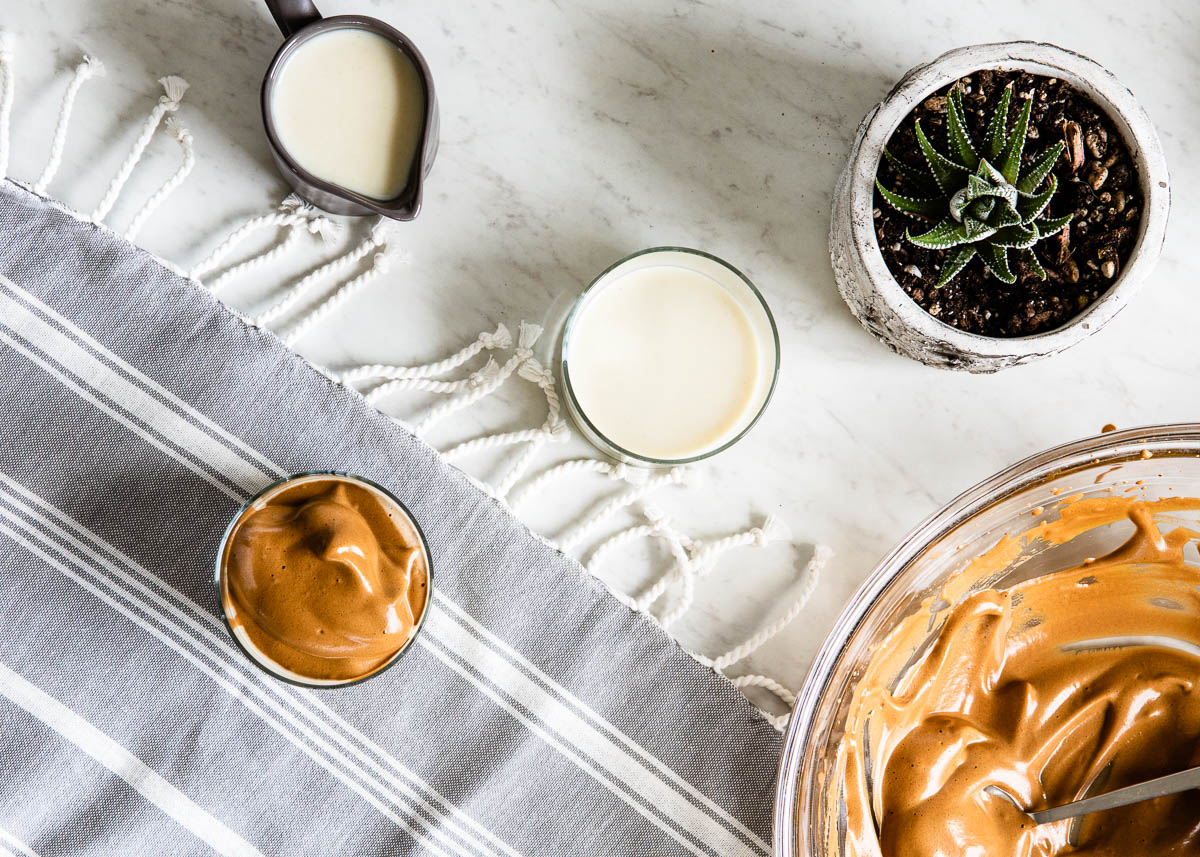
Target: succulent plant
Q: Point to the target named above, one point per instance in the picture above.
(984, 200)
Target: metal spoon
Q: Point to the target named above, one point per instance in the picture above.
(1171, 784)
(1168, 785)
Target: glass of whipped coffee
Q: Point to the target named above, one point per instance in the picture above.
(323, 579)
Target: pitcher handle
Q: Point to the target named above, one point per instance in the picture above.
(293, 15)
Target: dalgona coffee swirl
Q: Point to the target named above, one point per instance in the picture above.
(1084, 678)
(326, 578)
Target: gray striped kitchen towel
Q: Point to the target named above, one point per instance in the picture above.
(534, 716)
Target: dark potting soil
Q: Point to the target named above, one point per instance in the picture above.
(1096, 181)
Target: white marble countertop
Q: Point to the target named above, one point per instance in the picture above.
(574, 133)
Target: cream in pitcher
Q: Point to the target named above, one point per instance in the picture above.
(348, 107)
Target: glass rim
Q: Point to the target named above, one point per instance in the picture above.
(219, 564)
(1171, 440)
(598, 437)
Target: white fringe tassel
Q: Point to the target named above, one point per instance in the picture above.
(702, 558)
(293, 214)
(812, 575)
(301, 288)
(491, 441)
(381, 263)
(184, 137)
(524, 461)
(692, 560)
(779, 721)
(553, 430)
(7, 51)
(499, 339)
(573, 537)
(527, 336)
(87, 69)
(614, 470)
(474, 381)
(658, 526)
(174, 87)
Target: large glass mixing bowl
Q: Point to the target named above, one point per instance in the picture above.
(1150, 463)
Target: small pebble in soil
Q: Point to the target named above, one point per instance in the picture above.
(1073, 138)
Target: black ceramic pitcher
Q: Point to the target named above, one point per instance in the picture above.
(299, 21)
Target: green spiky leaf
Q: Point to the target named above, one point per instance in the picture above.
(959, 203)
(957, 261)
(1008, 195)
(1035, 264)
(933, 207)
(977, 186)
(997, 130)
(1016, 236)
(989, 173)
(956, 130)
(1033, 205)
(977, 229)
(1010, 158)
(1048, 226)
(1040, 168)
(996, 183)
(920, 180)
(996, 259)
(948, 233)
(982, 208)
(948, 175)
(1004, 215)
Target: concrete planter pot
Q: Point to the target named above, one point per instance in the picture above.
(878, 301)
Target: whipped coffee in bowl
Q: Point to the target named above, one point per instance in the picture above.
(1035, 641)
(323, 579)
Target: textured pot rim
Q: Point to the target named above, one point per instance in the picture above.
(1038, 58)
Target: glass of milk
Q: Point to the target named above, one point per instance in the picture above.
(668, 357)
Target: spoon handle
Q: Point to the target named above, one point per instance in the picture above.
(293, 15)
(1170, 784)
